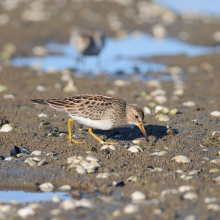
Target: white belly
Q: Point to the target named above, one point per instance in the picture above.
(98, 124)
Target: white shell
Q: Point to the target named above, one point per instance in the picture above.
(68, 204)
(30, 162)
(130, 208)
(181, 159)
(162, 117)
(56, 199)
(185, 188)
(135, 149)
(8, 96)
(194, 172)
(210, 199)
(190, 196)
(215, 161)
(6, 128)
(112, 147)
(217, 179)
(147, 111)
(213, 207)
(138, 195)
(189, 104)
(158, 108)
(70, 87)
(168, 191)
(136, 141)
(42, 115)
(92, 158)
(46, 187)
(85, 203)
(10, 158)
(80, 170)
(36, 159)
(160, 99)
(72, 160)
(24, 212)
(215, 113)
(95, 163)
(104, 147)
(179, 171)
(90, 170)
(103, 175)
(36, 152)
(65, 188)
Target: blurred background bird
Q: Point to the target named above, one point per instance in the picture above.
(88, 42)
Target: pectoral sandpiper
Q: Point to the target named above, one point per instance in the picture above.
(97, 111)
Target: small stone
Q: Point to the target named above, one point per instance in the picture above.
(103, 175)
(112, 147)
(138, 195)
(41, 88)
(92, 158)
(213, 207)
(162, 117)
(215, 113)
(46, 187)
(90, 170)
(42, 115)
(179, 171)
(173, 111)
(26, 211)
(189, 104)
(68, 204)
(121, 83)
(36, 152)
(9, 96)
(165, 110)
(185, 188)
(70, 87)
(3, 88)
(216, 179)
(210, 199)
(30, 162)
(56, 199)
(132, 178)
(190, 196)
(136, 141)
(194, 172)
(190, 217)
(147, 111)
(178, 92)
(181, 159)
(217, 161)
(65, 188)
(168, 191)
(6, 128)
(130, 208)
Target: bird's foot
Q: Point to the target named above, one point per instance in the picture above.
(76, 141)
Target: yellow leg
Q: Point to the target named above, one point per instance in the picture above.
(100, 140)
(70, 134)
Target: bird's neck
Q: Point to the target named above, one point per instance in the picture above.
(128, 113)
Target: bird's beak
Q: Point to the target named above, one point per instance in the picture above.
(141, 126)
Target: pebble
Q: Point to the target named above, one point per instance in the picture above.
(3, 88)
(147, 111)
(173, 111)
(39, 51)
(210, 199)
(30, 162)
(70, 87)
(215, 113)
(175, 70)
(135, 149)
(130, 208)
(178, 92)
(6, 128)
(68, 204)
(131, 178)
(42, 115)
(168, 191)
(185, 188)
(214, 170)
(189, 104)
(72, 160)
(41, 88)
(158, 92)
(9, 96)
(213, 207)
(65, 188)
(90, 170)
(181, 159)
(216, 36)
(190, 196)
(36, 152)
(190, 217)
(138, 195)
(112, 147)
(80, 169)
(194, 172)
(160, 99)
(162, 117)
(85, 203)
(136, 141)
(26, 211)
(159, 31)
(216, 179)
(46, 187)
(121, 83)
(56, 199)
(179, 171)
(103, 175)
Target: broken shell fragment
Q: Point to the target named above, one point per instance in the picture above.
(80, 169)
(92, 158)
(135, 149)
(6, 128)
(181, 159)
(30, 162)
(132, 178)
(190, 196)
(36, 152)
(41, 163)
(103, 175)
(72, 160)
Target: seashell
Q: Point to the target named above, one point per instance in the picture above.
(68, 204)
(41, 88)
(56, 199)
(104, 147)
(112, 147)
(36, 153)
(41, 163)
(42, 115)
(213, 207)
(73, 165)
(3, 88)
(160, 99)
(158, 92)
(130, 208)
(80, 169)
(173, 111)
(216, 179)
(21, 155)
(30, 162)
(46, 187)
(190, 217)
(210, 199)
(135, 149)
(168, 191)
(55, 212)
(159, 31)
(215, 161)
(185, 188)
(10, 158)
(65, 188)
(26, 211)
(92, 158)
(147, 111)
(95, 163)
(72, 160)
(190, 196)
(189, 104)
(70, 87)
(188, 178)
(215, 113)
(165, 110)
(121, 83)
(214, 170)
(103, 175)
(138, 195)
(136, 141)
(194, 172)
(179, 171)
(36, 159)
(131, 178)
(6, 128)
(90, 170)
(116, 213)
(157, 211)
(85, 203)
(178, 92)
(158, 108)
(157, 169)
(162, 117)
(181, 159)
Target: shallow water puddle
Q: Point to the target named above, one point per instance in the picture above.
(21, 196)
(117, 56)
(197, 6)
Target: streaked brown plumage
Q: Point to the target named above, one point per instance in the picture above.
(97, 111)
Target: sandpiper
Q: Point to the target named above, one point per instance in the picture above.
(99, 111)
(87, 42)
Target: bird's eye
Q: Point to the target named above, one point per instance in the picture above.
(136, 116)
